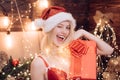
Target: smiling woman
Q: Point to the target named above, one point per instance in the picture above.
(61, 32)
(62, 49)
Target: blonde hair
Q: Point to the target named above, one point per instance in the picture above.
(47, 41)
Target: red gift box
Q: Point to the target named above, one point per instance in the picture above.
(83, 60)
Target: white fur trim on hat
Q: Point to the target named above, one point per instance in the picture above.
(52, 21)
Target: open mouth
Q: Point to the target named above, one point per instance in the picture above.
(61, 38)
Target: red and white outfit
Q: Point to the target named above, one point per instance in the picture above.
(83, 53)
(83, 62)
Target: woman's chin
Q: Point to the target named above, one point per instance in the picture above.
(58, 44)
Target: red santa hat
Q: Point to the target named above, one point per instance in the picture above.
(52, 16)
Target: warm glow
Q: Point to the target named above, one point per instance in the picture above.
(8, 41)
(99, 23)
(33, 26)
(47, 50)
(30, 26)
(61, 49)
(42, 3)
(4, 22)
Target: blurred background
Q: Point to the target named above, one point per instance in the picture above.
(21, 40)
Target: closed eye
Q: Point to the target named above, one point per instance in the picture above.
(68, 27)
(59, 26)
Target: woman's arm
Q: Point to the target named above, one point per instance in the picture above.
(102, 47)
(38, 69)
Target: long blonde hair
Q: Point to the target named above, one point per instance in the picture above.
(46, 42)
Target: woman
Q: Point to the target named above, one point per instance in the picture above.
(61, 47)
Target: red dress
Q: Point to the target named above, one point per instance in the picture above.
(83, 62)
(54, 73)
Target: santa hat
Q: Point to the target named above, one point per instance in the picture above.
(52, 16)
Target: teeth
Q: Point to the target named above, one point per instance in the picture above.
(63, 37)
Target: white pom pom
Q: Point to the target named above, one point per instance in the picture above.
(39, 23)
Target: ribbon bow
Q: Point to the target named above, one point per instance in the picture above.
(78, 48)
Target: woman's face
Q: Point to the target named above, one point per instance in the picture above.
(61, 32)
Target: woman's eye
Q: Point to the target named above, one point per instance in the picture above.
(68, 27)
(59, 26)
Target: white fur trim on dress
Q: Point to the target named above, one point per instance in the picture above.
(52, 21)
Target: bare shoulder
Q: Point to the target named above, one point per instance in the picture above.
(37, 69)
(37, 62)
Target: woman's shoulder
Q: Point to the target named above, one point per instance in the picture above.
(38, 62)
(38, 68)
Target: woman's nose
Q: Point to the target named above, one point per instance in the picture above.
(64, 31)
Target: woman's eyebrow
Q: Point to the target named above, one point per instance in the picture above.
(60, 24)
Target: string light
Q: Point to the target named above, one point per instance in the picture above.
(102, 31)
(42, 3)
(4, 22)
